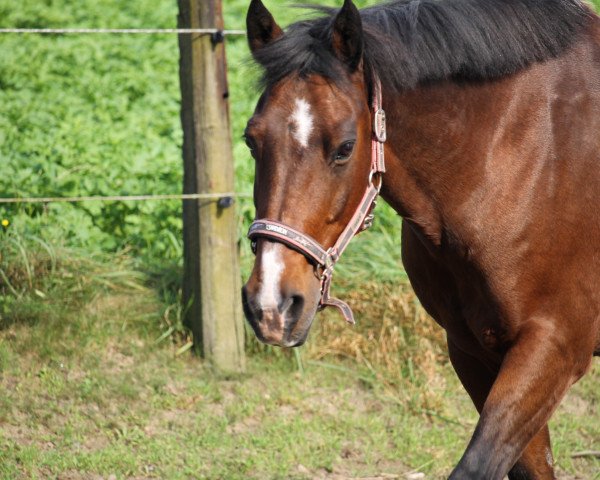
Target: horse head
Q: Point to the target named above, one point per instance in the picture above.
(311, 139)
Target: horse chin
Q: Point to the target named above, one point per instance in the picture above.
(291, 341)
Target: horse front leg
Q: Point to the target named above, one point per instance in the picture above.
(533, 378)
(536, 461)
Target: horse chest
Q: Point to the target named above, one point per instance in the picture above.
(457, 298)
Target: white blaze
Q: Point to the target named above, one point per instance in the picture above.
(303, 122)
(271, 269)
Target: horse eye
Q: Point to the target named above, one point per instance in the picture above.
(344, 152)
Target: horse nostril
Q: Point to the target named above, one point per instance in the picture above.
(290, 305)
(297, 306)
(284, 305)
(292, 313)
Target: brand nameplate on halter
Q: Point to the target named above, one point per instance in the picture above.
(275, 228)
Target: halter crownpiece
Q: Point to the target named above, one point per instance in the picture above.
(362, 219)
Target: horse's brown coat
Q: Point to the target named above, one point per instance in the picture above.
(498, 183)
(510, 267)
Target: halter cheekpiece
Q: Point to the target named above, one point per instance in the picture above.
(325, 259)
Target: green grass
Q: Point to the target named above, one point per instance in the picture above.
(91, 385)
(103, 398)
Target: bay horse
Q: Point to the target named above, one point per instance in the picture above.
(492, 158)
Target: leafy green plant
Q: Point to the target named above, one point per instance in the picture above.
(93, 115)
(99, 115)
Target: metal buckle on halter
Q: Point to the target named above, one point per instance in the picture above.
(331, 259)
(368, 223)
(325, 277)
(370, 218)
(379, 126)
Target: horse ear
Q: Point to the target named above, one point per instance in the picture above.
(261, 26)
(347, 40)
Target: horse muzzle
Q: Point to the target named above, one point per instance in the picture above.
(285, 325)
(281, 297)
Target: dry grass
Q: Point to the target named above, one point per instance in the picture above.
(392, 331)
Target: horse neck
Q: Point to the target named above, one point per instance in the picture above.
(438, 139)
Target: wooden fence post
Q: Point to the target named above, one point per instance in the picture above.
(211, 284)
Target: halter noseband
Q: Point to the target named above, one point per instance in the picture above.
(360, 221)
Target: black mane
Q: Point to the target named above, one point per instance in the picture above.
(408, 42)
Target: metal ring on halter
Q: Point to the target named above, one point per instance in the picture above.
(371, 175)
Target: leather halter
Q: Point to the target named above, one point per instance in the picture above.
(360, 221)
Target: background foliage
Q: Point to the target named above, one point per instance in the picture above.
(91, 115)
(99, 115)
